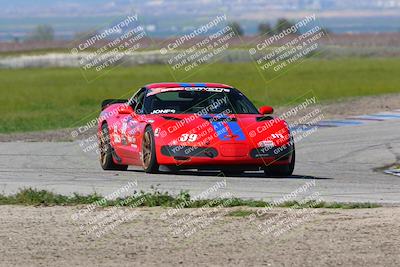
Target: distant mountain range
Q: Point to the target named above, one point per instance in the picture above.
(172, 17)
(105, 7)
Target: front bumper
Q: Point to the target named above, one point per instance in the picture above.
(224, 155)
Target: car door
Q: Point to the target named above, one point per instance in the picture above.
(129, 129)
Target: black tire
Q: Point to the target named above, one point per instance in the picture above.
(149, 159)
(106, 152)
(282, 170)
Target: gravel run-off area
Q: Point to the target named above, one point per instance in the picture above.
(45, 236)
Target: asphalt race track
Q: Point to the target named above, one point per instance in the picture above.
(342, 160)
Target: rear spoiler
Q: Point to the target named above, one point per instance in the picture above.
(108, 102)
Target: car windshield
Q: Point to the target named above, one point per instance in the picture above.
(206, 101)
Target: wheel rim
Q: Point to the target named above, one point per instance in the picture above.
(146, 149)
(103, 150)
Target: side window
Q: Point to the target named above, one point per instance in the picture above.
(136, 101)
(139, 102)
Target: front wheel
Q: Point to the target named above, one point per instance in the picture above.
(282, 170)
(149, 160)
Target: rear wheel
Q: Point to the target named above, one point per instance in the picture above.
(281, 170)
(149, 160)
(106, 151)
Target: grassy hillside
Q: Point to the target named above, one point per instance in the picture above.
(39, 99)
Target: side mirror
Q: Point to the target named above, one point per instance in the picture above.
(125, 109)
(266, 110)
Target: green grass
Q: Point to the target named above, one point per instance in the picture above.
(41, 99)
(240, 213)
(156, 198)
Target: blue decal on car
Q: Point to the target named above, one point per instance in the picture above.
(236, 130)
(221, 130)
(200, 84)
(185, 84)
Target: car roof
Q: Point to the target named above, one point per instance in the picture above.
(174, 84)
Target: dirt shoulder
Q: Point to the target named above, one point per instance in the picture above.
(338, 109)
(33, 236)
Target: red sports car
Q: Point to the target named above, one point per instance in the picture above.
(193, 126)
